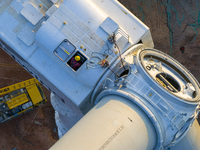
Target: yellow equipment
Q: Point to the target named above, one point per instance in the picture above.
(19, 98)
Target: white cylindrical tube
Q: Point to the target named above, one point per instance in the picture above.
(115, 123)
(191, 141)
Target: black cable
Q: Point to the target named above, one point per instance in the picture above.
(120, 55)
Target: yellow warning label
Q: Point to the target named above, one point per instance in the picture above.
(19, 100)
(67, 52)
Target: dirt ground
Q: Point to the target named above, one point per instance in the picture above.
(174, 25)
(33, 130)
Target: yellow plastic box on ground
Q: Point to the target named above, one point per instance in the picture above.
(19, 98)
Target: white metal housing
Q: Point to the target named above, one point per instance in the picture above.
(85, 51)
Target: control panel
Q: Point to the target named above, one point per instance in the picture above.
(76, 61)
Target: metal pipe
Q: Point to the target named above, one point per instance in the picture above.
(114, 123)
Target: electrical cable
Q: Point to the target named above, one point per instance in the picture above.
(120, 55)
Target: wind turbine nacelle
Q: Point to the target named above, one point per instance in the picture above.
(151, 99)
(96, 55)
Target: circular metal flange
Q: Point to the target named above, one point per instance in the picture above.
(133, 97)
(168, 74)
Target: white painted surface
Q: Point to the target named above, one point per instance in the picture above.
(113, 124)
(32, 14)
(191, 141)
(82, 28)
(27, 36)
(32, 40)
